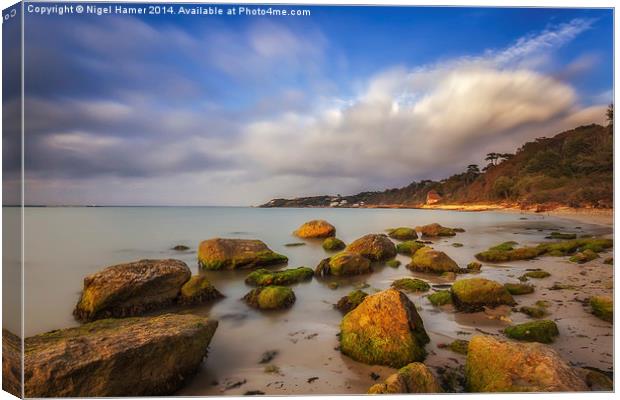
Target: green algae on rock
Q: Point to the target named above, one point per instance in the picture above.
(218, 254)
(140, 356)
(584, 256)
(393, 263)
(560, 235)
(317, 228)
(351, 300)
(270, 298)
(536, 274)
(459, 346)
(409, 247)
(518, 288)
(502, 366)
(534, 311)
(333, 244)
(198, 290)
(385, 329)
(602, 307)
(402, 233)
(440, 298)
(427, 259)
(474, 294)
(180, 247)
(434, 230)
(542, 331)
(597, 380)
(412, 285)
(264, 277)
(412, 378)
(507, 251)
(474, 266)
(375, 247)
(343, 264)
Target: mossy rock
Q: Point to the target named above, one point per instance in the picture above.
(412, 378)
(270, 298)
(538, 274)
(474, 294)
(264, 277)
(450, 276)
(218, 254)
(434, 230)
(294, 244)
(602, 307)
(385, 329)
(474, 266)
(542, 331)
(343, 264)
(534, 311)
(333, 244)
(412, 285)
(317, 228)
(440, 298)
(408, 247)
(584, 256)
(393, 263)
(503, 366)
(375, 247)
(198, 290)
(456, 244)
(428, 260)
(519, 288)
(561, 235)
(498, 254)
(402, 233)
(180, 247)
(459, 346)
(507, 251)
(598, 381)
(350, 301)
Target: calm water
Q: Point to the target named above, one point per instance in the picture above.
(65, 244)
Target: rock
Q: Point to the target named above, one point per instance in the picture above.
(560, 235)
(270, 298)
(385, 329)
(409, 247)
(343, 264)
(142, 356)
(519, 288)
(603, 307)
(507, 251)
(11, 363)
(294, 244)
(542, 331)
(434, 230)
(500, 366)
(402, 233)
(428, 260)
(459, 346)
(474, 266)
(350, 301)
(584, 256)
(333, 244)
(375, 247)
(432, 197)
(597, 380)
(534, 312)
(450, 276)
(317, 228)
(198, 290)
(412, 285)
(180, 247)
(456, 244)
(412, 378)
(475, 293)
(131, 289)
(264, 277)
(538, 274)
(393, 263)
(440, 298)
(609, 261)
(218, 254)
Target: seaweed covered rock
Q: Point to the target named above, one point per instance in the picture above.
(561, 235)
(597, 381)
(459, 346)
(264, 277)
(342, 264)
(375, 247)
(428, 260)
(351, 300)
(536, 274)
(584, 256)
(602, 307)
(536, 311)
(440, 298)
(198, 290)
(474, 266)
(317, 228)
(508, 252)
(140, 356)
(409, 247)
(475, 293)
(501, 366)
(402, 233)
(270, 298)
(542, 331)
(131, 289)
(393, 263)
(218, 254)
(384, 329)
(412, 378)
(519, 288)
(412, 285)
(434, 230)
(333, 244)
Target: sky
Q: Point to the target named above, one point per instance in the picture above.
(195, 110)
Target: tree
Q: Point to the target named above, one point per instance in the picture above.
(493, 157)
(473, 169)
(502, 187)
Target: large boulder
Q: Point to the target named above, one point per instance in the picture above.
(342, 264)
(198, 290)
(476, 293)
(217, 254)
(412, 378)
(384, 329)
(434, 230)
(317, 228)
(428, 260)
(500, 366)
(131, 289)
(375, 247)
(143, 356)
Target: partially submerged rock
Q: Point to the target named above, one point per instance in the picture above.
(534, 311)
(428, 260)
(218, 254)
(270, 297)
(412, 378)
(412, 285)
(474, 266)
(458, 346)
(317, 228)
(384, 329)
(440, 298)
(393, 263)
(519, 288)
(602, 307)
(350, 301)
(131, 289)
(584, 256)
(536, 274)
(333, 244)
(144, 356)
(409, 247)
(375, 247)
(509, 252)
(198, 290)
(561, 235)
(180, 247)
(598, 381)
(476, 293)
(542, 331)
(402, 233)
(264, 277)
(343, 264)
(434, 230)
(500, 366)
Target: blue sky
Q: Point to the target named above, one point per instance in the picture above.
(237, 110)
